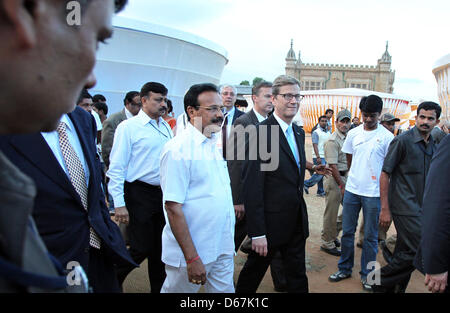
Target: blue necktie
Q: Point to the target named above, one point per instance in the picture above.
(291, 140)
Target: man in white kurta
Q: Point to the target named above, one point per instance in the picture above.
(197, 241)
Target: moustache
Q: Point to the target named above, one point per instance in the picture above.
(425, 126)
(217, 120)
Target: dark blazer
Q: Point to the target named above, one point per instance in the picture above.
(108, 131)
(237, 114)
(62, 221)
(434, 252)
(235, 165)
(273, 200)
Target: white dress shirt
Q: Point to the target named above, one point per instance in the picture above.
(135, 153)
(259, 116)
(128, 114)
(230, 120)
(52, 139)
(194, 174)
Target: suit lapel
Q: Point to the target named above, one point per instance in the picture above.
(253, 117)
(36, 150)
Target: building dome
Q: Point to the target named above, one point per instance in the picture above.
(291, 53)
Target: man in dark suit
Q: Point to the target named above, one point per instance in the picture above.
(73, 221)
(229, 96)
(273, 192)
(132, 103)
(262, 106)
(38, 63)
(434, 259)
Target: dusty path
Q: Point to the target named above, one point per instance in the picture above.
(319, 264)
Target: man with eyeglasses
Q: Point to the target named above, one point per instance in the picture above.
(198, 247)
(135, 184)
(229, 96)
(273, 195)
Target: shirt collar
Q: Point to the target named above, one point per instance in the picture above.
(284, 126)
(231, 113)
(259, 116)
(144, 118)
(418, 137)
(65, 118)
(197, 135)
(341, 135)
(128, 113)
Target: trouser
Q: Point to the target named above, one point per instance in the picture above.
(219, 277)
(316, 179)
(144, 204)
(395, 276)
(276, 266)
(293, 257)
(101, 272)
(371, 211)
(382, 232)
(332, 223)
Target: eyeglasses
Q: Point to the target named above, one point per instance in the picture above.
(213, 109)
(289, 96)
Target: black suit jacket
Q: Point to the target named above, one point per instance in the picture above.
(61, 219)
(433, 256)
(273, 200)
(237, 114)
(234, 164)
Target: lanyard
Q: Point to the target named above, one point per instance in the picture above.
(168, 132)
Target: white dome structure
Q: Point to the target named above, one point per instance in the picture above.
(141, 52)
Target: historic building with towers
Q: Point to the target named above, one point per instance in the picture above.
(315, 76)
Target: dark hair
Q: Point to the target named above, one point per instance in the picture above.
(129, 96)
(326, 112)
(98, 98)
(372, 104)
(169, 106)
(119, 5)
(101, 106)
(257, 87)
(323, 116)
(429, 105)
(191, 97)
(84, 95)
(153, 87)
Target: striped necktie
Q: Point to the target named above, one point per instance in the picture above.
(76, 175)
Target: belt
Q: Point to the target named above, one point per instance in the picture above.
(343, 173)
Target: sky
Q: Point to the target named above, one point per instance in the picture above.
(257, 34)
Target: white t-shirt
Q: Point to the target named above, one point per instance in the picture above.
(369, 148)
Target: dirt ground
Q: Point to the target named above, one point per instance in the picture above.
(319, 264)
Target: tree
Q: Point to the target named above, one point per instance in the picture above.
(257, 80)
(245, 83)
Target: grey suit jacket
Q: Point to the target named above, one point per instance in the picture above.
(109, 128)
(20, 242)
(235, 165)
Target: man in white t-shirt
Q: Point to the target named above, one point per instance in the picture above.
(366, 147)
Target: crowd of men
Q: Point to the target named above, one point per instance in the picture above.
(187, 192)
